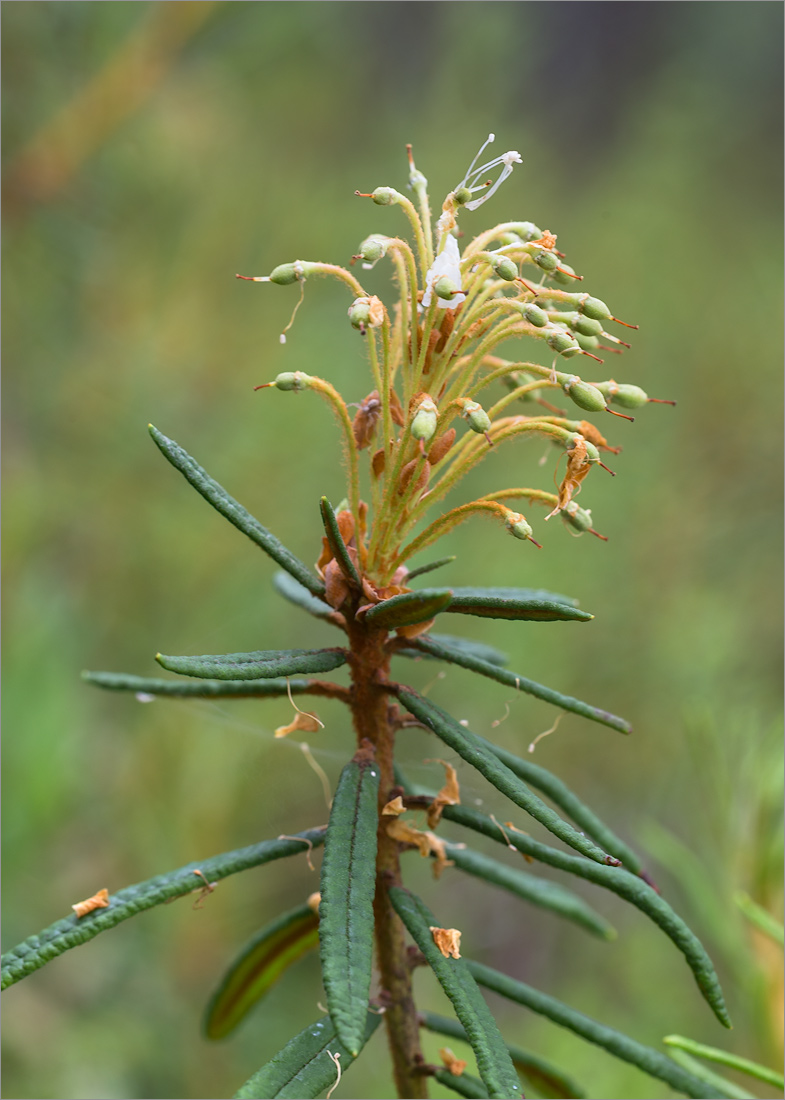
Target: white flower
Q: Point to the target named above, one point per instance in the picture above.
(469, 181)
(448, 264)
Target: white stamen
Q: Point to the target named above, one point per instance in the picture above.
(473, 175)
(447, 264)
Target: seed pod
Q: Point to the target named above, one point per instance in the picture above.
(595, 309)
(293, 380)
(577, 517)
(505, 268)
(587, 326)
(517, 526)
(584, 395)
(373, 248)
(527, 231)
(629, 397)
(564, 275)
(476, 417)
(384, 196)
(286, 274)
(462, 195)
(546, 261)
(446, 288)
(587, 343)
(441, 446)
(561, 341)
(535, 316)
(425, 419)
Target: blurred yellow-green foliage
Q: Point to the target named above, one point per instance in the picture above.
(152, 151)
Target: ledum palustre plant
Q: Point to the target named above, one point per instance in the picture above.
(440, 400)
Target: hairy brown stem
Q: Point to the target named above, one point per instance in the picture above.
(376, 718)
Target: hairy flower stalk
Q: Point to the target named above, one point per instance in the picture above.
(429, 414)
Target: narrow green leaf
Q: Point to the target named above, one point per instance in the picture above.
(758, 916)
(421, 570)
(463, 645)
(547, 1079)
(533, 605)
(465, 1085)
(72, 931)
(474, 752)
(304, 1069)
(258, 967)
(201, 689)
(716, 1081)
(444, 648)
(493, 1061)
(621, 882)
(409, 608)
(538, 891)
(292, 590)
(566, 800)
(725, 1058)
(346, 921)
(229, 508)
(480, 592)
(337, 545)
(615, 1042)
(259, 665)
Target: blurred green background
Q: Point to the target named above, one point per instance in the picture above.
(152, 151)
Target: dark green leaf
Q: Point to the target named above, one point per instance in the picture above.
(337, 545)
(622, 1046)
(229, 508)
(71, 931)
(346, 921)
(442, 647)
(531, 604)
(295, 592)
(621, 882)
(463, 645)
(564, 798)
(474, 752)
(304, 1068)
(538, 891)
(207, 689)
(259, 665)
(493, 1061)
(716, 1081)
(258, 967)
(408, 608)
(547, 1079)
(465, 1085)
(421, 570)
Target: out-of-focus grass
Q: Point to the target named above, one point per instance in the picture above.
(650, 136)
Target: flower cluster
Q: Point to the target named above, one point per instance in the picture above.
(433, 354)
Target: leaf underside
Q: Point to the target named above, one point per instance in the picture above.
(409, 608)
(199, 689)
(258, 966)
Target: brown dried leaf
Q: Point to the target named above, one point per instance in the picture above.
(394, 807)
(336, 589)
(97, 901)
(303, 720)
(448, 940)
(441, 446)
(455, 1065)
(449, 795)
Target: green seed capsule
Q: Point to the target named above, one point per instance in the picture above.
(535, 316)
(577, 517)
(285, 274)
(446, 288)
(374, 247)
(425, 419)
(560, 340)
(563, 276)
(476, 417)
(360, 313)
(384, 196)
(527, 231)
(293, 380)
(517, 526)
(462, 195)
(595, 309)
(629, 397)
(584, 395)
(505, 268)
(587, 326)
(546, 261)
(587, 343)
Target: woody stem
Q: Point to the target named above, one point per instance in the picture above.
(375, 719)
